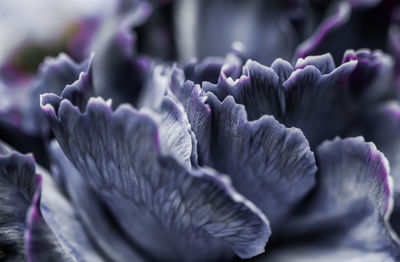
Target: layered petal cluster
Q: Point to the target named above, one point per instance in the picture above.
(195, 178)
(247, 156)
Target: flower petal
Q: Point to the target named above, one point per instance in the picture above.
(382, 126)
(372, 78)
(318, 104)
(352, 24)
(54, 230)
(334, 20)
(51, 229)
(165, 200)
(55, 73)
(192, 98)
(258, 83)
(175, 133)
(303, 98)
(271, 165)
(324, 63)
(353, 198)
(41, 244)
(18, 183)
(88, 206)
(207, 70)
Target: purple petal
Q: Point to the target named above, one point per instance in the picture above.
(257, 89)
(318, 104)
(192, 98)
(352, 24)
(41, 244)
(176, 137)
(18, 183)
(207, 70)
(382, 126)
(333, 21)
(52, 232)
(21, 120)
(56, 73)
(324, 63)
(54, 228)
(102, 229)
(165, 200)
(353, 199)
(373, 76)
(271, 165)
(301, 97)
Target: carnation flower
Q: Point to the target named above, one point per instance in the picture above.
(247, 156)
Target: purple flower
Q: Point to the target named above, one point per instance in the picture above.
(216, 159)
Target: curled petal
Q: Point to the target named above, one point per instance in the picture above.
(339, 17)
(271, 165)
(306, 96)
(41, 244)
(373, 76)
(258, 83)
(54, 232)
(353, 199)
(18, 183)
(350, 24)
(173, 213)
(312, 101)
(382, 126)
(32, 206)
(87, 206)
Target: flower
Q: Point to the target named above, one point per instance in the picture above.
(216, 159)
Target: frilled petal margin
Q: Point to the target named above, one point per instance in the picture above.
(102, 229)
(54, 230)
(192, 98)
(207, 70)
(166, 210)
(37, 221)
(54, 74)
(312, 94)
(382, 126)
(372, 78)
(258, 88)
(41, 243)
(178, 138)
(18, 183)
(271, 165)
(352, 203)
